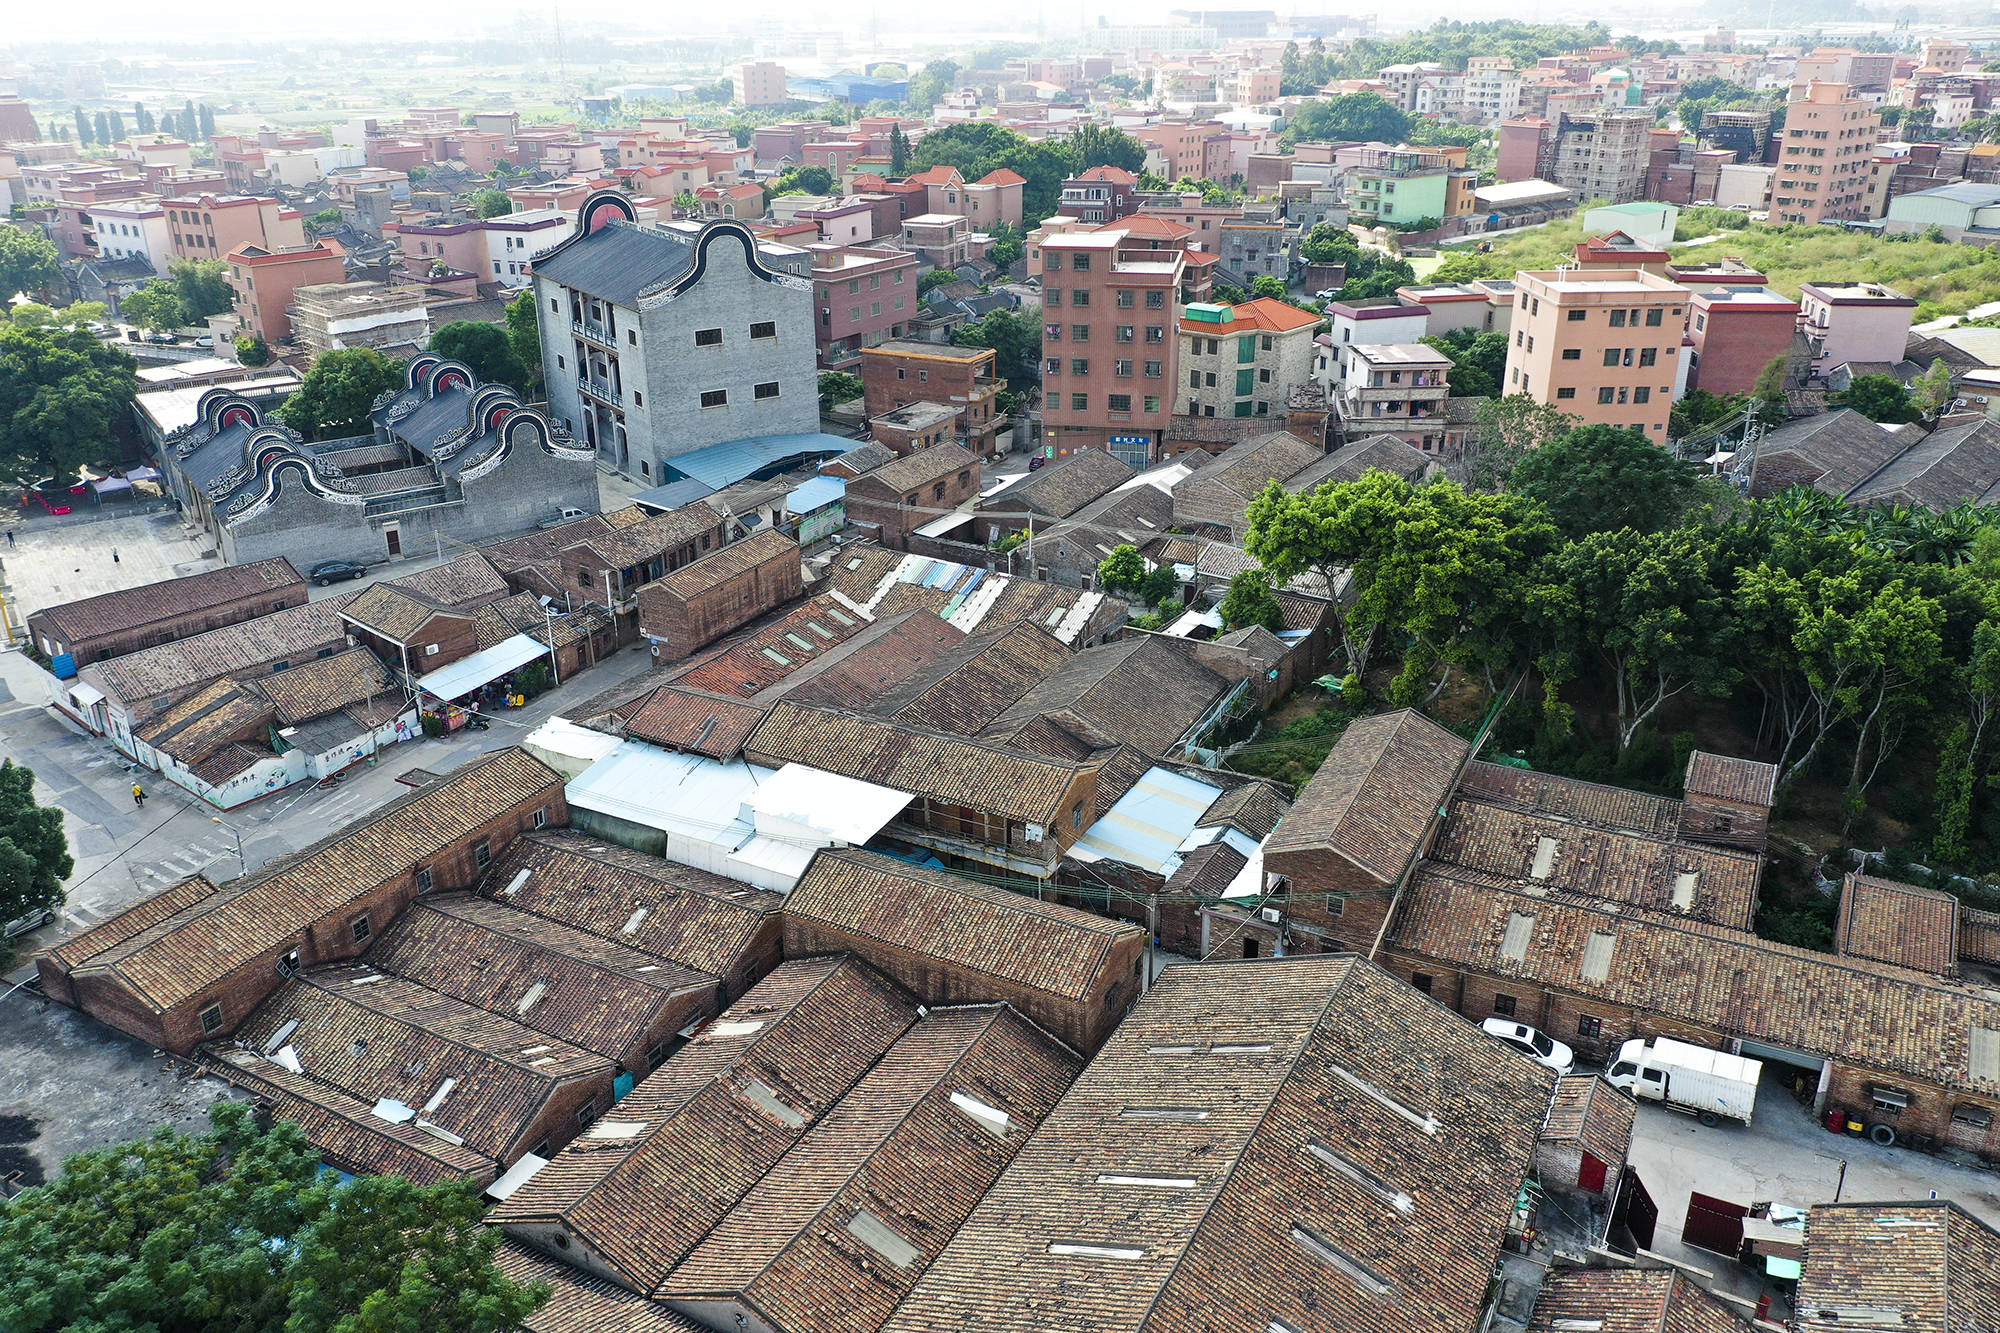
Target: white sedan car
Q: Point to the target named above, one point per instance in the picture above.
(1531, 1042)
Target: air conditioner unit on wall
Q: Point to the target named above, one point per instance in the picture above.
(1271, 914)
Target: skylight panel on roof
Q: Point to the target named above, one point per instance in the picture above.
(632, 922)
(842, 616)
(741, 1027)
(437, 1098)
(880, 1237)
(1332, 1255)
(1081, 1251)
(1984, 1065)
(989, 1118)
(1597, 952)
(777, 657)
(1544, 863)
(766, 1099)
(1361, 1176)
(1520, 930)
(799, 641)
(1150, 1182)
(1163, 1113)
(528, 997)
(616, 1129)
(1427, 1123)
(1685, 884)
(514, 884)
(820, 630)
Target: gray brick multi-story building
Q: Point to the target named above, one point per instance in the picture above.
(660, 340)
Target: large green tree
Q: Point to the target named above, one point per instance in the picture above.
(931, 84)
(1367, 117)
(491, 204)
(1879, 398)
(244, 1231)
(1654, 610)
(1014, 337)
(485, 349)
(1250, 601)
(524, 335)
(155, 306)
(1478, 361)
(63, 394)
(1602, 478)
(29, 262)
(1509, 428)
(1121, 569)
(334, 400)
(979, 147)
(1094, 145)
(202, 287)
(34, 852)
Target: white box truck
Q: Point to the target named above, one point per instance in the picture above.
(1704, 1083)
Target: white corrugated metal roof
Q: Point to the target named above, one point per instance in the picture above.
(486, 665)
(844, 809)
(1149, 824)
(687, 794)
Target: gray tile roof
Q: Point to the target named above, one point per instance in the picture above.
(618, 262)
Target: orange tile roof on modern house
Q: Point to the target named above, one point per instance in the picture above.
(1109, 174)
(1002, 176)
(1145, 224)
(936, 176)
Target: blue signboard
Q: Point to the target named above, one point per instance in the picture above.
(64, 665)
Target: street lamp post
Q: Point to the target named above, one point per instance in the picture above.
(242, 866)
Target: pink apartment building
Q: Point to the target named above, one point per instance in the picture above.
(210, 226)
(994, 197)
(264, 281)
(761, 83)
(1823, 166)
(863, 296)
(1854, 321)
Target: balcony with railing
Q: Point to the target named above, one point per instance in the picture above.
(600, 390)
(596, 332)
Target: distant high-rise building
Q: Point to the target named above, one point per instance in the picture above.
(762, 84)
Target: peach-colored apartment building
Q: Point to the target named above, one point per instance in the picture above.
(763, 84)
(1854, 321)
(1823, 167)
(209, 226)
(264, 281)
(1603, 345)
(1109, 344)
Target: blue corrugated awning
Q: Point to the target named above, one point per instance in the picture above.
(727, 463)
(815, 493)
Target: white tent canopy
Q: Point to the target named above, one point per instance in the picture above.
(483, 667)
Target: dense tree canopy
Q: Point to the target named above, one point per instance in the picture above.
(334, 400)
(525, 337)
(486, 350)
(245, 1231)
(1250, 601)
(1877, 397)
(63, 394)
(1015, 338)
(29, 262)
(1367, 117)
(1478, 361)
(34, 852)
(491, 204)
(202, 288)
(1601, 478)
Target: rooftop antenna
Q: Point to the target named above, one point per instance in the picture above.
(562, 53)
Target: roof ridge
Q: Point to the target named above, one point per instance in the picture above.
(514, 1062)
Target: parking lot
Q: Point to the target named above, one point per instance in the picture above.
(1784, 1156)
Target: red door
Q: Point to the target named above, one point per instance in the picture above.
(1591, 1174)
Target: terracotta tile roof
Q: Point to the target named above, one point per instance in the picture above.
(647, 539)
(397, 614)
(896, 1153)
(975, 681)
(718, 567)
(923, 763)
(1893, 922)
(1207, 870)
(232, 759)
(918, 469)
(1244, 469)
(1146, 692)
(871, 665)
(371, 1036)
(580, 1303)
(693, 919)
(174, 958)
(1002, 176)
(523, 613)
(1262, 1143)
(680, 1151)
(326, 685)
(1570, 799)
(208, 721)
(935, 176)
(1372, 799)
(1253, 808)
(1979, 935)
(1646, 870)
(769, 652)
(140, 916)
(698, 723)
(1110, 174)
(296, 632)
(132, 608)
(462, 581)
(1931, 1267)
(1731, 779)
(1854, 1010)
(1628, 1300)
(1589, 1111)
(1063, 487)
(543, 546)
(1263, 314)
(1351, 462)
(542, 974)
(344, 1128)
(962, 923)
